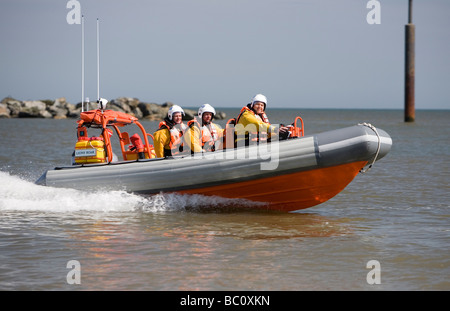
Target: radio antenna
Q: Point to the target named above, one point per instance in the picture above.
(82, 63)
(98, 61)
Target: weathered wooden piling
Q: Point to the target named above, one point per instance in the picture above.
(410, 30)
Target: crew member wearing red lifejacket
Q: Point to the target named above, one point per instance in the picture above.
(168, 138)
(255, 122)
(204, 135)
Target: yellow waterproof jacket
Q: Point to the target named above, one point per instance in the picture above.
(167, 141)
(161, 141)
(203, 138)
(253, 125)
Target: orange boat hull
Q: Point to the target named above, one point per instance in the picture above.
(288, 192)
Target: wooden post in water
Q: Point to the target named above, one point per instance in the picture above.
(410, 30)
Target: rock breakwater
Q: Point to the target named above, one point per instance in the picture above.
(61, 109)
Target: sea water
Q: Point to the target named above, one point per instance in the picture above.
(396, 215)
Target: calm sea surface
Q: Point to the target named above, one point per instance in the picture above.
(398, 214)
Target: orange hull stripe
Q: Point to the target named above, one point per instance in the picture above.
(289, 192)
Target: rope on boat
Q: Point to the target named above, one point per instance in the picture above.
(373, 128)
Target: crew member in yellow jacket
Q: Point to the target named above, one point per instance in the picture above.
(252, 124)
(204, 135)
(168, 138)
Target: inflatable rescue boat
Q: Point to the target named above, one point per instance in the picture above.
(284, 175)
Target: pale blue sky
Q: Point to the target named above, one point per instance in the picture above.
(299, 53)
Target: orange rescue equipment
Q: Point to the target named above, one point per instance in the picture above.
(136, 149)
(115, 119)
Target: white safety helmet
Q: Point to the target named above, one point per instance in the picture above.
(206, 108)
(173, 109)
(260, 98)
(102, 103)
